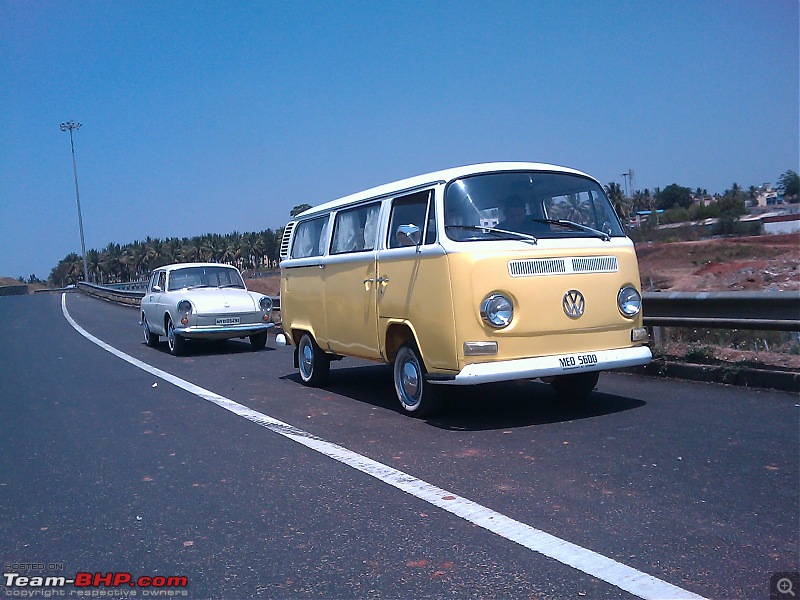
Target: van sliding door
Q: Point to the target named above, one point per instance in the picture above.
(349, 280)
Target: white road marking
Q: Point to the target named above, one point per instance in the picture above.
(590, 562)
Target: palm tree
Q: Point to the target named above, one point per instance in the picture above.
(93, 264)
(615, 195)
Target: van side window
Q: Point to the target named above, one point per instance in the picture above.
(310, 238)
(411, 210)
(355, 230)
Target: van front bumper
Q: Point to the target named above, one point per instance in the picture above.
(546, 366)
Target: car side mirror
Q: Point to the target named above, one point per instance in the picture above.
(156, 288)
(408, 235)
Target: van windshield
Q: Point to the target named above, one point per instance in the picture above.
(527, 205)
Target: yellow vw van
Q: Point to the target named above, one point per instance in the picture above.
(483, 273)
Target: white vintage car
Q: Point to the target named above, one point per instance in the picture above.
(203, 300)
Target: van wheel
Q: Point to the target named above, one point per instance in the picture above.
(417, 397)
(313, 362)
(575, 387)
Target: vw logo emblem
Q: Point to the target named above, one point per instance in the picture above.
(573, 304)
(227, 304)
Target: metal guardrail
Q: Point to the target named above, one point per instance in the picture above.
(766, 311)
(132, 297)
(130, 286)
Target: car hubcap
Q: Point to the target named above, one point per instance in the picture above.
(146, 330)
(171, 336)
(409, 383)
(308, 360)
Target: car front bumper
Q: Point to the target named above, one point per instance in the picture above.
(222, 332)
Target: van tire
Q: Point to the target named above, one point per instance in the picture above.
(575, 387)
(417, 397)
(313, 363)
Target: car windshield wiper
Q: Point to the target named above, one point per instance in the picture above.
(573, 225)
(522, 236)
(227, 285)
(199, 285)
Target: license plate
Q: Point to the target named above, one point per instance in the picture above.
(577, 361)
(228, 320)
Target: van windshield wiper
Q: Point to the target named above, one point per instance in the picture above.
(573, 225)
(522, 236)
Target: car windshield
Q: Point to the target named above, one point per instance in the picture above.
(195, 277)
(527, 205)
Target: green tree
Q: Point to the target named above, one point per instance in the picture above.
(789, 185)
(672, 196)
(298, 209)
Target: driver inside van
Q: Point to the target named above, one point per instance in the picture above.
(515, 215)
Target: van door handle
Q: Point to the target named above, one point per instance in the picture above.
(369, 280)
(383, 280)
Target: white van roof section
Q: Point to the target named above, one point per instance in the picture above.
(436, 177)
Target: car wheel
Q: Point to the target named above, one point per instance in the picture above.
(150, 338)
(258, 340)
(575, 387)
(417, 397)
(177, 345)
(313, 362)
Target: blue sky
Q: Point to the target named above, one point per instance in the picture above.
(213, 117)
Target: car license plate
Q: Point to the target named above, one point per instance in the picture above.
(577, 361)
(228, 321)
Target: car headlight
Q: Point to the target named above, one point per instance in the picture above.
(629, 301)
(185, 306)
(497, 310)
(265, 303)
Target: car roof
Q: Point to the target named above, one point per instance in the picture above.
(442, 176)
(176, 266)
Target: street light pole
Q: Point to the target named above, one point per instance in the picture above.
(70, 125)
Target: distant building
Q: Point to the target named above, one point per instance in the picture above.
(641, 217)
(703, 200)
(787, 223)
(766, 196)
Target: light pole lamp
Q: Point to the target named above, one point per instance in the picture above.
(69, 126)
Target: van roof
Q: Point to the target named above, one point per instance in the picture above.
(444, 175)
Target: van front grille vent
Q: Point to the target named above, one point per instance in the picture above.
(536, 266)
(533, 267)
(598, 264)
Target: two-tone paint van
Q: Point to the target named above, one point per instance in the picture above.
(483, 273)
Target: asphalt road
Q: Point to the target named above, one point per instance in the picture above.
(104, 467)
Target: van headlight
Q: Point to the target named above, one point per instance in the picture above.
(629, 301)
(497, 310)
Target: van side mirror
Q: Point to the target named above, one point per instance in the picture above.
(408, 235)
